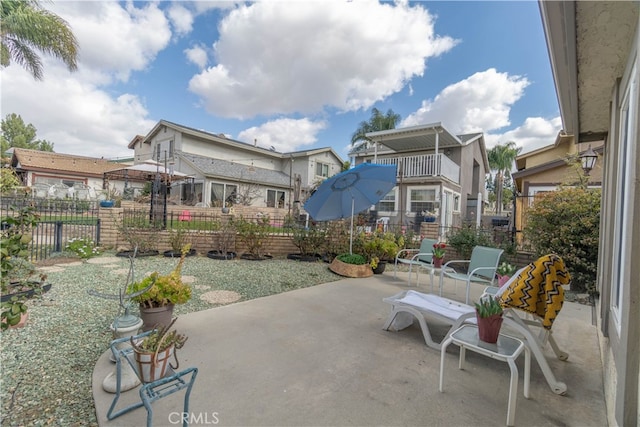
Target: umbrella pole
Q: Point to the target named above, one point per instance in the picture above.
(351, 228)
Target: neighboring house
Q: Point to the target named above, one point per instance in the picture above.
(546, 168)
(438, 172)
(227, 172)
(594, 53)
(42, 170)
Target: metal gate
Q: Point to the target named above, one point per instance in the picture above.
(58, 222)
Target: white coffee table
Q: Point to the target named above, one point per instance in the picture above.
(507, 349)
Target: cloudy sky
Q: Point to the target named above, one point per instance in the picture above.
(290, 74)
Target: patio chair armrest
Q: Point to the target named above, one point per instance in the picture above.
(457, 261)
(413, 258)
(400, 252)
(473, 272)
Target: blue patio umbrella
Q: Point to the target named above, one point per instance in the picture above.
(350, 192)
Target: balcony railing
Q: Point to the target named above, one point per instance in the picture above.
(425, 165)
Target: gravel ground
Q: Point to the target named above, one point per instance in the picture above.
(47, 365)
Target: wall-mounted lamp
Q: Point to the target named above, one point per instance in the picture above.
(588, 160)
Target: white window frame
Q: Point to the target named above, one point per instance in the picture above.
(394, 190)
(276, 192)
(321, 166)
(409, 204)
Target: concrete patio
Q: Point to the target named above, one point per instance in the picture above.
(319, 357)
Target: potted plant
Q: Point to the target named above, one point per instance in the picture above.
(504, 272)
(438, 254)
(429, 216)
(351, 265)
(254, 234)
(152, 353)
(224, 239)
(309, 241)
(489, 317)
(110, 194)
(140, 233)
(160, 294)
(380, 248)
(178, 239)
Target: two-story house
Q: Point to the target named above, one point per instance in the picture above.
(438, 173)
(227, 172)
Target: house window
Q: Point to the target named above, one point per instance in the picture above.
(422, 199)
(191, 193)
(456, 202)
(158, 148)
(223, 192)
(171, 148)
(275, 199)
(322, 169)
(388, 202)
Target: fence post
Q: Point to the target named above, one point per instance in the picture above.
(58, 237)
(98, 232)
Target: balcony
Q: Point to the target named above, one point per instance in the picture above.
(425, 165)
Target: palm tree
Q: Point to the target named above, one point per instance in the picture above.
(501, 158)
(377, 122)
(27, 27)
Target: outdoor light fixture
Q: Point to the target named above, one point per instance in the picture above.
(588, 160)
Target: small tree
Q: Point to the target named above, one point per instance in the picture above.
(465, 238)
(566, 222)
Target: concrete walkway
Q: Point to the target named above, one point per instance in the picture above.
(319, 357)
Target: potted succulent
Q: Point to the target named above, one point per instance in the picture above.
(160, 294)
(152, 353)
(429, 216)
(489, 317)
(504, 272)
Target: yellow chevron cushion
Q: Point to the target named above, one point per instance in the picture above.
(538, 289)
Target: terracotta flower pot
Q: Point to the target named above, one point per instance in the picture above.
(489, 327)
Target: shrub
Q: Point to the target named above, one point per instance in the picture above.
(566, 222)
(355, 259)
(83, 247)
(464, 239)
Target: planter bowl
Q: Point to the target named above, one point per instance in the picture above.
(107, 203)
(220, 255)
(350, 270)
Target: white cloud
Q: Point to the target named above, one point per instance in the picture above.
(534, 133)
(285, 57)
(76, 116)
(479, 103)
(284, 134)
(113, 39)
(181, 18)
(197, 55)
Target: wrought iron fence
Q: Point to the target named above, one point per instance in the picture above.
(58, 222)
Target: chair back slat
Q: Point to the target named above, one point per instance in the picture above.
(483, 256)
(426, 247)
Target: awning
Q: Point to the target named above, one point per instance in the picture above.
(145, 172)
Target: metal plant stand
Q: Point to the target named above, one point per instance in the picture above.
(171, 383)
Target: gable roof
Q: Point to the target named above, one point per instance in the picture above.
(46, 161)
(216, 168)
(222, 139)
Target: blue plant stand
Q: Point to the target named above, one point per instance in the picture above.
(171, 383)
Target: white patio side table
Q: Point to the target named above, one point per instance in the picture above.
(507, 349)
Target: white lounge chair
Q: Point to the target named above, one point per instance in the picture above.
(548, 270)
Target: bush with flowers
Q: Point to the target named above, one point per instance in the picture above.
(83, 247)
